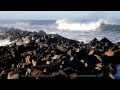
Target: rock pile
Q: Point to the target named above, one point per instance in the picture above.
(51, 56)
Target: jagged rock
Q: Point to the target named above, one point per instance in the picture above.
(13, 75)
(91, 52)
(34, 62)
(41, 33)
(105, 40)
(48, 62)
(56, 57)
(36, 72)
(61, 48)
(72, 58)
(37, 40)
(109, 53)
(69, 52)
(27, 59)
(98, 57)
(82, 61)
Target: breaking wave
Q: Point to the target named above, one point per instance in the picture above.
(65, 24)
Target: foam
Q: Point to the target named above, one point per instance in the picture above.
(64, 24)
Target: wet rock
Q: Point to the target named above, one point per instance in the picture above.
(69, 52)
(91, 52)
(36, 72)
(111, 75)
(62, 48)
(82, 61)
(13, 75)
(56, 57)
(98, 66)
(86, 65)
(77, 50)
(27, 59)
(41, 33)
(48, 62)
(109, 53)
(3, 75)
(98, 57)
(37, 40)
(73, 76)
(34, 62)
(72, 58)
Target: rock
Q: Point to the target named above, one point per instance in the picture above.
(37, 40)
(44, 70)
(41, 33)
(27, 59)
(82, 61)
(98, 57)
(69, 52)
(3, 75)
(13, 75)
(63, 62)
(61, 66)
(91, 52)
(45, 45)
(111, 76)
(13, 67)
(56, 57)
(48, 62)
(73, 76)
(34, 62)
(78, 49)
(99, 65)
(72, 58)
(86, 65)
(36, 72)
(109, 53)
(104, 40)
(29, 52)
(28, 71)
(61, 48)
(97, 68)
(68, 70)
(62, 72)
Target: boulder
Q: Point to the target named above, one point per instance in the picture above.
(109, 53)
(13, 75)
(27, 59)
(36, 73)
(41, 33)
(62, 48)
(69, 52)
(56, 57)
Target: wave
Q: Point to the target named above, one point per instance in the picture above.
(65, 24)
(28, 26)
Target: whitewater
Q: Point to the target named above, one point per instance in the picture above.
(80, 30)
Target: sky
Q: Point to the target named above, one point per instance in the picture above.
(54, 15)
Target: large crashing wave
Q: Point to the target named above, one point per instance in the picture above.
(65, 24)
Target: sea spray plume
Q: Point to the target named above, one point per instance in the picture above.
(65, 24)
(18, 36)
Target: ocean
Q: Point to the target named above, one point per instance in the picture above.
(80, 30)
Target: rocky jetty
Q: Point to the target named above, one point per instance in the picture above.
(37, 55)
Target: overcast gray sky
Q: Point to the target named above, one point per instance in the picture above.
(47, 15)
